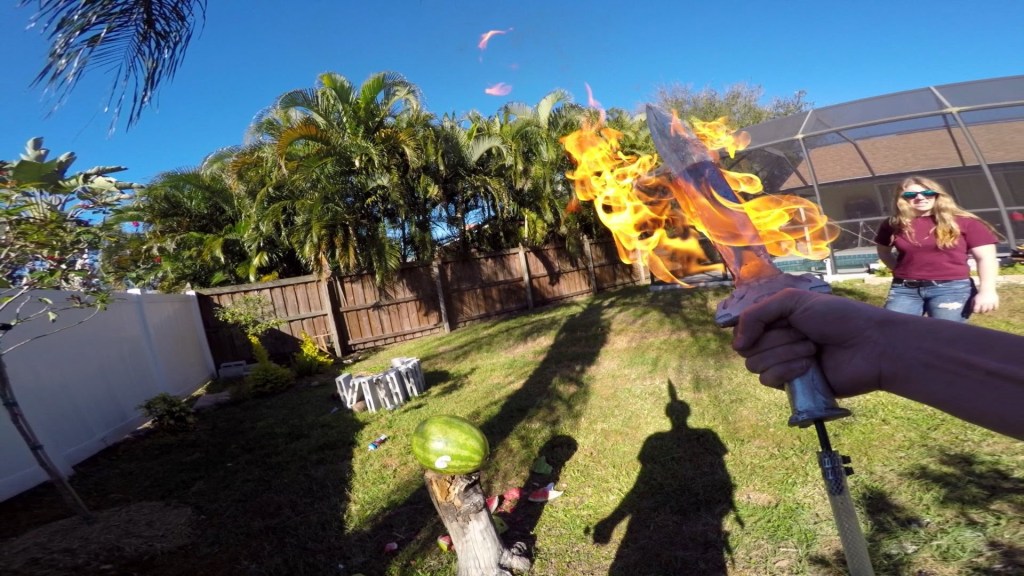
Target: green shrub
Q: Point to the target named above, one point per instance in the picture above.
(253, 314)
(258, 351)
(310, 359)
(168, 412)
(267, 378)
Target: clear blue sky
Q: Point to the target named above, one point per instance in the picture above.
(251, 51)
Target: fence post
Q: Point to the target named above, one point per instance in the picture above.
(155, 362)
(197, 321)
(332, 321)
(435, 271)
(639, 265)
(590, 264)
(525, 265)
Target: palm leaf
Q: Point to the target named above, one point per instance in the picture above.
(143, 41)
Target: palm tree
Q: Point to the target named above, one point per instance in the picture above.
(462, 186)
(143, 41)
(534, 163)
(346, 155)
(200, 231)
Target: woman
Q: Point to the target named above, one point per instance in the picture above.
(932, 237)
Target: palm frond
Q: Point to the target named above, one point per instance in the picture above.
(143, 41)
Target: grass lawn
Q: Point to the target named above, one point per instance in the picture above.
(673, 460)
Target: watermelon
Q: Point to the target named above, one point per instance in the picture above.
(450, 445)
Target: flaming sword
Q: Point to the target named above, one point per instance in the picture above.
(810, 399)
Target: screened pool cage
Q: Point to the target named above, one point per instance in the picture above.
(848, 158)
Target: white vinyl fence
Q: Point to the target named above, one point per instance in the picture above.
(80, 388)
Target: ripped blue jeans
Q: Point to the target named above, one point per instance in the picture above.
(949, 301)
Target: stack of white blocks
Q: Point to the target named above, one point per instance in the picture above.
(389, 389)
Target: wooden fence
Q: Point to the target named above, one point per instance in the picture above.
(350, 313)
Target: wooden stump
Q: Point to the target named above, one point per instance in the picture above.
(460, 502)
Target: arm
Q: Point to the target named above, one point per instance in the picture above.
(886, 256)
(988, 269)
(973, 373)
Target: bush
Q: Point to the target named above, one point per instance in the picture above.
(168, 412)
(310, 359)
(267, 378)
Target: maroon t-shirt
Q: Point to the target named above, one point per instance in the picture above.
(923, 260)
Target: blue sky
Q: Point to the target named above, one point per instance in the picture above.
(251, 51)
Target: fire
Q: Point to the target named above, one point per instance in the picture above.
(651, 213)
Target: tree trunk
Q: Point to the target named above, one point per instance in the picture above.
(25, 429)
(460, 502)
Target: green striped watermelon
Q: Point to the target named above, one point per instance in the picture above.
(450, 445)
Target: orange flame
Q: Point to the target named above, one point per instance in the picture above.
(654, 218)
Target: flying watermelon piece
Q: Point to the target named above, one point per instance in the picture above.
(545, 494)
(492, 504)
(445, 543)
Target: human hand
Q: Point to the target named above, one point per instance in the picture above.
(985, 301)
(781, 336)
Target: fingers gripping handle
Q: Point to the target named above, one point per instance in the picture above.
(811, 398)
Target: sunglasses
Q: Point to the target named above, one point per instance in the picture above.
(908, 195)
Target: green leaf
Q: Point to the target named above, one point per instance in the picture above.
(46, 301)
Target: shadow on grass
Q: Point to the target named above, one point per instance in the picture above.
(443, 382)
(267, 493)
(552, 396)
(976, 489)
(523, 519)
(677, 507)
(981, 493)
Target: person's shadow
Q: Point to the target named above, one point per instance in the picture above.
(677, 506)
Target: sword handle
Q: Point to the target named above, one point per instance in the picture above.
(811, 398)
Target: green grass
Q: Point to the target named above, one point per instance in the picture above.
(712, 481)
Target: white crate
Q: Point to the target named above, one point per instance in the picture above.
(412, 375)
(349, 390)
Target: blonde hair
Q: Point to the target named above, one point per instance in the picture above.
(944, 211)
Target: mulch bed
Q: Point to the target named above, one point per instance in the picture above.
(118, 535)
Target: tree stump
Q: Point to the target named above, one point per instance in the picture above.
(460, 502)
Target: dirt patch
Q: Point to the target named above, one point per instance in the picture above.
(118, 535)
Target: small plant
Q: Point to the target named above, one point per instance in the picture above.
(253, 314)
(168, 412)
(310, 359)
(882, 270)
(268, 378)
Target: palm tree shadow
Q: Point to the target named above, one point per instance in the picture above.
(678, 505)
(969, 485)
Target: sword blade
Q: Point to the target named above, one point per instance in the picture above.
(693, 166)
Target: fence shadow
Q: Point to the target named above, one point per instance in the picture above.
(676, 509)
